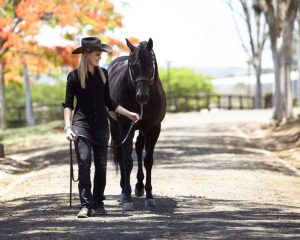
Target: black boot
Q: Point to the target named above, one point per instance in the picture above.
(99, 209)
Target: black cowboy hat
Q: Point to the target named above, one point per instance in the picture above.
(89, 44)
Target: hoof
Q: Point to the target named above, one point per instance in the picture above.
(122, 197)
(150, 203)
(127, 206)
(139, 193)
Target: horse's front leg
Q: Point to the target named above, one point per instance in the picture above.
(139, 146)
(151, 140)
(126, 168)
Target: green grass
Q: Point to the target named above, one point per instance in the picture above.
(14, 136)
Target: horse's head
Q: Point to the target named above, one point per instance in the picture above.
(142, 69)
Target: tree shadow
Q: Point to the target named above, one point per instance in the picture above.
(183, 217)
(217, 152)
(180, 157)
(39, 161)
(192, 149)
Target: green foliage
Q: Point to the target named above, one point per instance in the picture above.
(186, 89)
(46, 98)
(48, 94)
(184, 80)
(15, 99)
(15, 94)
(21, 135)
(42, 93)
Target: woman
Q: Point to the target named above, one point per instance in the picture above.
(90, 119)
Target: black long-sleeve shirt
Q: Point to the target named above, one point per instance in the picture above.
(90, 111)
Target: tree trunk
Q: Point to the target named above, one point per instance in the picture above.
(288, 28)
(258, 89)
(288, 91)
(28, 102)
(2, 98)
(281, 20)
(298, 82)
(283, 108)
(278, 98)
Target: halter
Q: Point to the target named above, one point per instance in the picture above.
(142, 78)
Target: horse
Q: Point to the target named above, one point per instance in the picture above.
(134, 83)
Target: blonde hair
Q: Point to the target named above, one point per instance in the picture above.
(82, 70)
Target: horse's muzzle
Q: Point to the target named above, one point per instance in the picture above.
(142, 90)
(142, 98)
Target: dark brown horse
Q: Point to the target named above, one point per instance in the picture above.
(134, 84)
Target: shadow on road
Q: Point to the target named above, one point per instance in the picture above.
(180, 217)
(190, 149)
(49, 217)
(213, 152)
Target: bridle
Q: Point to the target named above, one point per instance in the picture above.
(143, 78)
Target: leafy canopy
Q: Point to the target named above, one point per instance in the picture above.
(22, 20)
(184, 80)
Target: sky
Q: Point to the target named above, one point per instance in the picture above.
(186, 33)
(189, 33)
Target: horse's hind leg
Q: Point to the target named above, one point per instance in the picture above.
(126, 167)
(122, 184)
(151, 140)
(117, 154)
(139, 146)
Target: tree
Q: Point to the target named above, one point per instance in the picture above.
(184, 81)
(298, 48)
(28, 101)
(22, 20)
(280, 16)
(257, 34)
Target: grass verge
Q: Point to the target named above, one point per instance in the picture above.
(16, 136)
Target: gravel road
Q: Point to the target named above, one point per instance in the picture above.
(210, 181)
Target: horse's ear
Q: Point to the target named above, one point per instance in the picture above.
(129, 44)
(150, 44)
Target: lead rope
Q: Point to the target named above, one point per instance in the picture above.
(71, 173)
(99, 144)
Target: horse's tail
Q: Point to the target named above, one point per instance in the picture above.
(114, 140)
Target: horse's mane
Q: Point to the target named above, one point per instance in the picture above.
(119, 59)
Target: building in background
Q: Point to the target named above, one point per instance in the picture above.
(245, 85)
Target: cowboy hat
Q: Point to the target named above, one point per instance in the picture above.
(89, 44)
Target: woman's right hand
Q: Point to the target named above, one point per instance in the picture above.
(71, 136)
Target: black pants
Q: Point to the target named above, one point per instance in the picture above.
(83, 149)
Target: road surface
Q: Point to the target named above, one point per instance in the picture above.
(210, 181)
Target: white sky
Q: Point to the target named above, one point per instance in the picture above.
(192, 33)
(189, 33)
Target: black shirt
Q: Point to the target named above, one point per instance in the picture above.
(90, 111)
